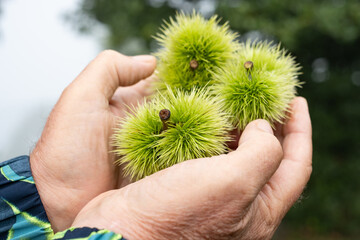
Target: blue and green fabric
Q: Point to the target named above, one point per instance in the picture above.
(22, 215)
(87, 233)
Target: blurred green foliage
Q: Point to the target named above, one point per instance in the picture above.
(324, 35)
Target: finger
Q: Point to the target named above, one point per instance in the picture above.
(131, 96)
(108, 71)
(285, 187)
(258, 155)
(235, 178)
(135, 92)
(147, 87)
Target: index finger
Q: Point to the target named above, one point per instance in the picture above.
(288, 182)
(108, 71)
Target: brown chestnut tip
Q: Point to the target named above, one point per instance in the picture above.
(248, 65)
(194, 64)
(164, 114)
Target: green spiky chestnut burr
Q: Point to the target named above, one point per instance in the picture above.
(259, 83)
(171, 128)
(192, 49)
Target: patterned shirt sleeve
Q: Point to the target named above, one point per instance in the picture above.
(87, 233)
(22, 215)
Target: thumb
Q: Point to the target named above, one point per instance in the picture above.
(259, 154)
(239, 175)
(108, 71)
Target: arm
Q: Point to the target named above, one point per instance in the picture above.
(22, 214)
(72, 162)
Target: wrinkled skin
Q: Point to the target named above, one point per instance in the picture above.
(72, 162)
(240, 195)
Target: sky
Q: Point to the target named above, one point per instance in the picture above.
(40, 54)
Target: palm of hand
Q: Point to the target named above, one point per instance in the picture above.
(72, 162)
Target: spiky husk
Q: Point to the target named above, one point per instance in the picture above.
(191, 37)
(197, 128)
(265, 91)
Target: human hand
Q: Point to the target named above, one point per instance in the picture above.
(240, 195)
(72, 162)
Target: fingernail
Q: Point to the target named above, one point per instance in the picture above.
(144, 58)
(264, 125)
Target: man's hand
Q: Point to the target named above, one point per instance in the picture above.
(72, 163)
(241, 195)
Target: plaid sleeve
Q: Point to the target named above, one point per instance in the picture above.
(22, 215)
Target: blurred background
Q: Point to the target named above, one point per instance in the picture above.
(45, 44)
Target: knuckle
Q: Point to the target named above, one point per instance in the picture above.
(109, 54)
(273, 145)
(67, 91)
